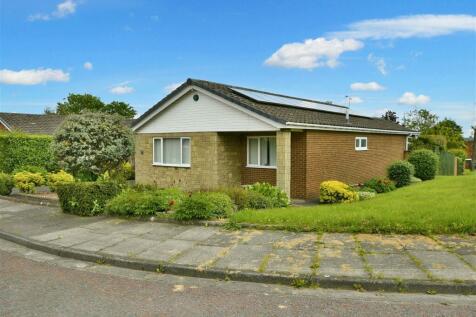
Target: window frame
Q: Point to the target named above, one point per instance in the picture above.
(259, 137)
(360, 147)
(161, 163)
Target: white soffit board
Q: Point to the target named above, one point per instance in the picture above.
(205, 115)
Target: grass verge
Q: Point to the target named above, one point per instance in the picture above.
(441, 206)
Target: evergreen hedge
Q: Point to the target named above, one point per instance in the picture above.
(19, 149)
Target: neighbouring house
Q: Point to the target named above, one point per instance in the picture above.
(30, 123)
(206, 135)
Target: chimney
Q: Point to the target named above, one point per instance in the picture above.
(347, 117)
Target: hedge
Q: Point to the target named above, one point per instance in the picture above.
(86, 198)
(18, 149)
(203, 206)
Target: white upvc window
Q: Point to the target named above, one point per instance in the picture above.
(407, 143)
(171, 152)
(261, 151)
(361, 143)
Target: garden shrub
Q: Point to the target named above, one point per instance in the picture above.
(436, 143)
(203, 206)
(380, 184)
(336, 192)
(400, 172)
(426, 163)
(55, 179)
(132, 202)
(27, 181)
(86, 198)
(6, 184)
(244, 198)
(19, 149)
(366, 195)
(31, 169)
(276, 194)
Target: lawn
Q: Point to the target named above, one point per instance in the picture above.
(444, 205)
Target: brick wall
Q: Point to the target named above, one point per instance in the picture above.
(332, 155)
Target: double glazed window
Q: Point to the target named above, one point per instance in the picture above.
(172, 152)
(261, 151)
(361, 143)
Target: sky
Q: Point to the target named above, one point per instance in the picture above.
(394, 55)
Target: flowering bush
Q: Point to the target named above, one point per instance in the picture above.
(336, 192)
(380, 185)
(61, 177)
(27, 181)
(92, 143)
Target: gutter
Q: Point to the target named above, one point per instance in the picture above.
(349, 129)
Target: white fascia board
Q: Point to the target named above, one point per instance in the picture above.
(344, 129)
(270, 122)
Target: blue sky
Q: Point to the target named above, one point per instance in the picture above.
(385, 54)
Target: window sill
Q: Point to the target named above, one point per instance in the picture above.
(361, 149)
(172, 165)
(259, 166)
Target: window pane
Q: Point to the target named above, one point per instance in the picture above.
(264, 151)
(364, 143)
(357, 143)
(253, 151)
(157, 150)
(185, 151)
(171, 151)
(272, 151)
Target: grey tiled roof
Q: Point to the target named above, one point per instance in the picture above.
(282, 113)
(32, 123)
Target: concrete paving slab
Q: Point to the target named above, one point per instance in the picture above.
(394, 265)
(72, 238)
(224, 238)
(463, 245)
(197, 233)
(244, 258)
(200, 255)
(263, 237)
(130, 247)
(341, 261)
(16, 207)
(164, 231)
(166, 250)
(343, 240)
(103, 242)
(61, 234)
(298, 241)
(380, 243)
(416, 242)
(289, 261)
(471, 259)
(444, 265)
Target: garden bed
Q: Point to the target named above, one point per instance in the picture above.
(443, 205)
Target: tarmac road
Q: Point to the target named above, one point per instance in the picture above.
(37, 284)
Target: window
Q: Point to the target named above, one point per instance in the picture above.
(407, 143)
(171, 152)
(361, 143)
(262, 151)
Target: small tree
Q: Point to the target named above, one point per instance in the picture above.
(451, 130)
(92, 143)
(120, 108)
(419, 120)
(390, 116)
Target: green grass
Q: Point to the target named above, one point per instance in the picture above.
(444, 205)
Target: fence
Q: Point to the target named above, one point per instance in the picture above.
(448, 164)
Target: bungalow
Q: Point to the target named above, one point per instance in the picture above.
(206, 135)
(30, 123)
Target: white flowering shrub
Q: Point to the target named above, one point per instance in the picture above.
(92, 143)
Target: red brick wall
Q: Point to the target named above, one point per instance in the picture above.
(332, 155)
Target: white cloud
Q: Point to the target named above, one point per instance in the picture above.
(63, 9)
(409, 98)
(88, 65)
(122, 89)
(312, 53)
(355, 100)
(424, 25)
(169, 88)
(370, 86)
(379, 62)
(32, 76)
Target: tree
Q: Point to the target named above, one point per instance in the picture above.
(120, 108)
(419, 120)
(92, 143)
(451, 130)
(390, 116)
(77, 103)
